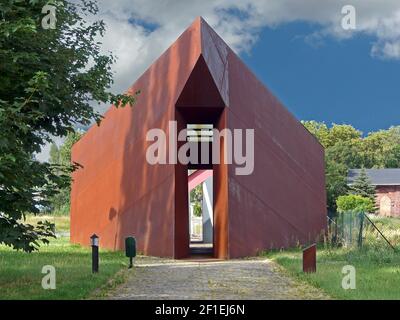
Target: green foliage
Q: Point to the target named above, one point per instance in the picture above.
(354, 203)
(60, 202)
(335, 180)
(328, 137)
(382, 148)
(62, 155)
(345, 148)
(196, 197)
(362, 186)
(197, 209)
(342, 133)
(320, 130)
(347, 153)
(48, 79)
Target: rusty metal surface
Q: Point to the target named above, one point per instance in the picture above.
(283, 201)
(118, 193)
(310, 259)
(198, 80)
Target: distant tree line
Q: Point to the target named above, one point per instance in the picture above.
(59, 203)
(347, 148)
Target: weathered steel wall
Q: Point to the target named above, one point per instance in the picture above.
(198, 80)
(283, 201)
(118, 193)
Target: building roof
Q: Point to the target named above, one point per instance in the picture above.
(378, 177)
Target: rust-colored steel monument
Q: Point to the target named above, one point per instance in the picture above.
(199, 79)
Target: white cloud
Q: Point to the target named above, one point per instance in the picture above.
(237, 22)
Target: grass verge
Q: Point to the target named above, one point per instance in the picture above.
(377, 271)
(21, 273)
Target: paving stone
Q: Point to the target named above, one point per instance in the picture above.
(256, 278)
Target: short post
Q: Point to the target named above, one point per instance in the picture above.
(310, 259)
(94, 241)
(130, 249)
(360, 232)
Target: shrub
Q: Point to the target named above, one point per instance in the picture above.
(354, 203)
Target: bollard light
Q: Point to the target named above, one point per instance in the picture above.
(94, 241)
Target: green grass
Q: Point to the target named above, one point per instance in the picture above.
(21, 277)
(377, 265)
(61, 222)
(392, 223)
(377, 273)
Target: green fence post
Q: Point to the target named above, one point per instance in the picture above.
(361, 216)
(130, 249)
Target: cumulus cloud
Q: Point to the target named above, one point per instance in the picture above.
(138, 31)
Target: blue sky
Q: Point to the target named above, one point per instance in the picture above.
(337, 81)
(346, 78)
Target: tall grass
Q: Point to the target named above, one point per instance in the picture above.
(377, 265)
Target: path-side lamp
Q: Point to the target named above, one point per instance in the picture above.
(94, 241)
(130, 249)
(310, 259)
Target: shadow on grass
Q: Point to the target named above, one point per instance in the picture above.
(21, 273)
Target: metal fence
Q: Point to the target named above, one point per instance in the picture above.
(359, 229)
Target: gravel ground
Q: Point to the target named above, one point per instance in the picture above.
(256, 278)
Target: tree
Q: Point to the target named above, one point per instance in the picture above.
(48, 81)
(328, 137)
(196, 197)
(60, 202)
(354, 203)
(362, 186)
(345, 148)
(336, 182)
(342, 133)
(319, 130)
(382, 148)
(54, 153)
(348, 153)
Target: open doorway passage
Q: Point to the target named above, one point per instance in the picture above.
(200, 184)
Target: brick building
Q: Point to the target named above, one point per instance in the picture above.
(387, 186)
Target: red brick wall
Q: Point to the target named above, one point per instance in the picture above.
(393, 193)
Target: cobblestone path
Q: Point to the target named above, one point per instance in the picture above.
(256, 278)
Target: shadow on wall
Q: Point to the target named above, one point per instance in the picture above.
(112, 214)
